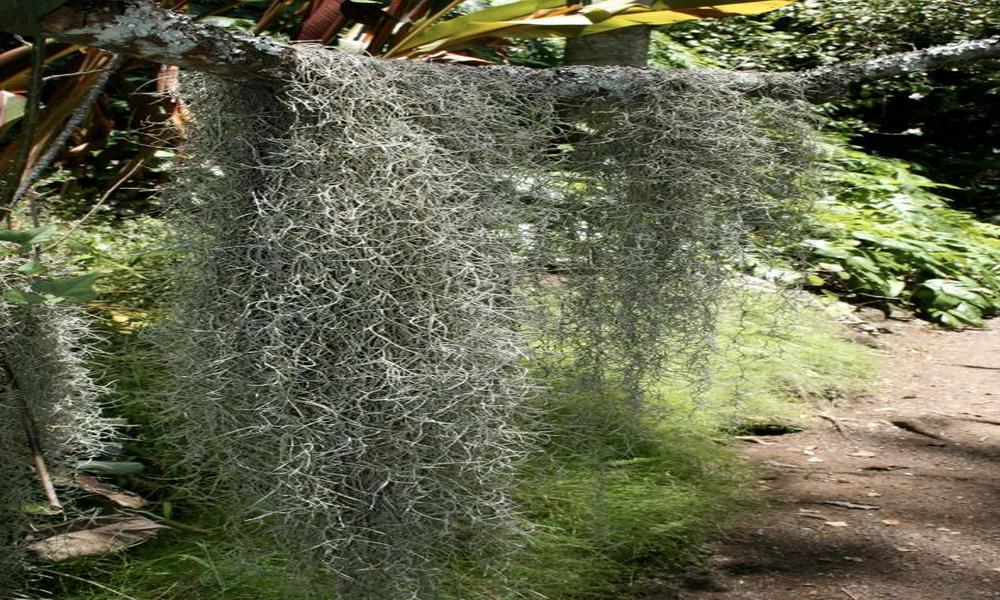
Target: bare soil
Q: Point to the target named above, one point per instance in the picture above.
(918, 464)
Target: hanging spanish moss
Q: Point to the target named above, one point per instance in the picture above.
(658, 198)
(351, 333)
(44, 351)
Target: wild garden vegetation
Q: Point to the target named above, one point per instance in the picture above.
(404, 331)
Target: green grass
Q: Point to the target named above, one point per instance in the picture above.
(613, 504)
(180, 566)
(604, 505)
(778, 359)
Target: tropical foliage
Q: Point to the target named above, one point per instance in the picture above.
(883, 234)
(946, 120)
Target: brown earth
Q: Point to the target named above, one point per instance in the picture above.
(928, 524)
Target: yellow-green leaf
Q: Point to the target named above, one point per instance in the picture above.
(554, 18)
(11, 107)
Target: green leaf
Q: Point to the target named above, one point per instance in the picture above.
(825, 248)
(968, 313)
(74, 289)
(956, 290)
(32, 267)
(893, 288)
(22, 297)
(947, 319)
(886, 242)
(863, 263)
(11, 107)
(107, 467)
(28, 237)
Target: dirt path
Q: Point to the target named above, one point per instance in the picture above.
(929, 524)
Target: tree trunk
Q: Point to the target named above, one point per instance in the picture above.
(628, 47)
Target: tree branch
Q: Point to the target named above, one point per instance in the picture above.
(838, 81)
(141, 29)
(144, 30)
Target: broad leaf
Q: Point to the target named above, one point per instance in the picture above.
(32, 267)
(22, 297)
(827, 249)
(28, 238)
(556, 18)
(115, 494)
(11, 107)
(73, 289)
(956, 290)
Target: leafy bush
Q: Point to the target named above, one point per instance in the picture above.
(947, 120)
(883, 234)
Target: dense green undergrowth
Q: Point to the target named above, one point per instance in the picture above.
(603, 506)
(883, 236)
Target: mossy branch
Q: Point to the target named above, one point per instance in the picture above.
(142, 29)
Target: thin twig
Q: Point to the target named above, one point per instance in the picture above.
(77, 73)
(848, 594)
(34, 441)
(836, 424)
(96, 206)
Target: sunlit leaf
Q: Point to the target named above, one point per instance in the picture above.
(27, 238)
(73, 289)
(11, 107)
(552, 18)
(32, 267)
(22, 297)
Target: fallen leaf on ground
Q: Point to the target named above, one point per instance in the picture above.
(854, 559)
(102, 537)
(752, 438)
(890, 522)
(843, 504)
(873, 495)
(862, 454)
(783, 465)
(885, 468)
(837, 523)
(123, 498)
(916, 427)
(906, 549)
(812, 514)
